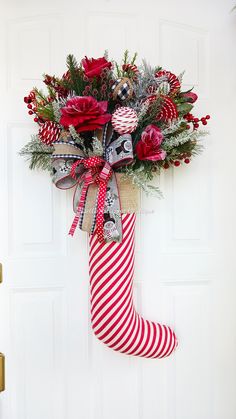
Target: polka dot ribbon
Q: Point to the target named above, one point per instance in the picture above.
(98, 171)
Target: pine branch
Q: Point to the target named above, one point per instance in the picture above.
(126, 56)
(173, 127)
(37, 154)
(77, 82)
(118, 72)
(134, 58)
(185, 136)
(46, 112)
(140, 178)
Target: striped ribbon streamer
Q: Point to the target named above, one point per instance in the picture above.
(114, 319)
(95, 174)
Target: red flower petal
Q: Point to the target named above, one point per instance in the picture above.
(85, 113)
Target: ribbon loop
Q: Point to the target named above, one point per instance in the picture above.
(87, 173)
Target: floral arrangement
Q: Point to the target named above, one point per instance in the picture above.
(110, 118)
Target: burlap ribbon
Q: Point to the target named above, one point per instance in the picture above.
(100, 193)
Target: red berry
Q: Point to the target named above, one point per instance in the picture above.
(27, 99)
(196, 125)
(204, 122)
(188, 126)
(196, 119)
(166, 165)
(176, 163)
(36, 119)
(30, 112)
(29, 106)
(187, 161)
(208, 117)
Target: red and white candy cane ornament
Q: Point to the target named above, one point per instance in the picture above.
(114, 319)
(130, 67)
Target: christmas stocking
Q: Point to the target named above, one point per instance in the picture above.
(114, 319)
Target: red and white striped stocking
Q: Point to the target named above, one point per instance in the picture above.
(114, 319)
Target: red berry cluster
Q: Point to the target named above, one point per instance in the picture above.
(31, 102)
(100, 87)
(185, 157)
(196, 121)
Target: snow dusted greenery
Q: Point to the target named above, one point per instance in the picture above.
(37, 154)
(56, 111)
(174, 141)
(76, 136)
(140, 178)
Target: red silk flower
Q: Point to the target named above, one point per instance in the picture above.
(148, 148)
(94, 66)
(85, 113)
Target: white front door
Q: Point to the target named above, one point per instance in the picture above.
(185, 268)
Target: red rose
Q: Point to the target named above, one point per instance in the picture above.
(94, 66)
(148, 148)
(190, 97)
(85, 113)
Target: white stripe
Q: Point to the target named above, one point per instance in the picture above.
(128, 258)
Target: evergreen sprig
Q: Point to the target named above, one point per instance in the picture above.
(37, 154)
(76, 82)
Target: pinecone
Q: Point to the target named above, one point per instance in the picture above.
(49, 132)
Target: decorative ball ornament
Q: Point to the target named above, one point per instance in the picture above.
(122, 89)
(124, 120)
(49, 132)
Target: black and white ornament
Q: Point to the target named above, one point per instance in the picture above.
(122, 89)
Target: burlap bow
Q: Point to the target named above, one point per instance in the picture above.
(96, 198)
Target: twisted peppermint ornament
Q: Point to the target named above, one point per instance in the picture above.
(49, 132)
(168, 110)
(171, 78)
(124, 120)
(114, 319)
